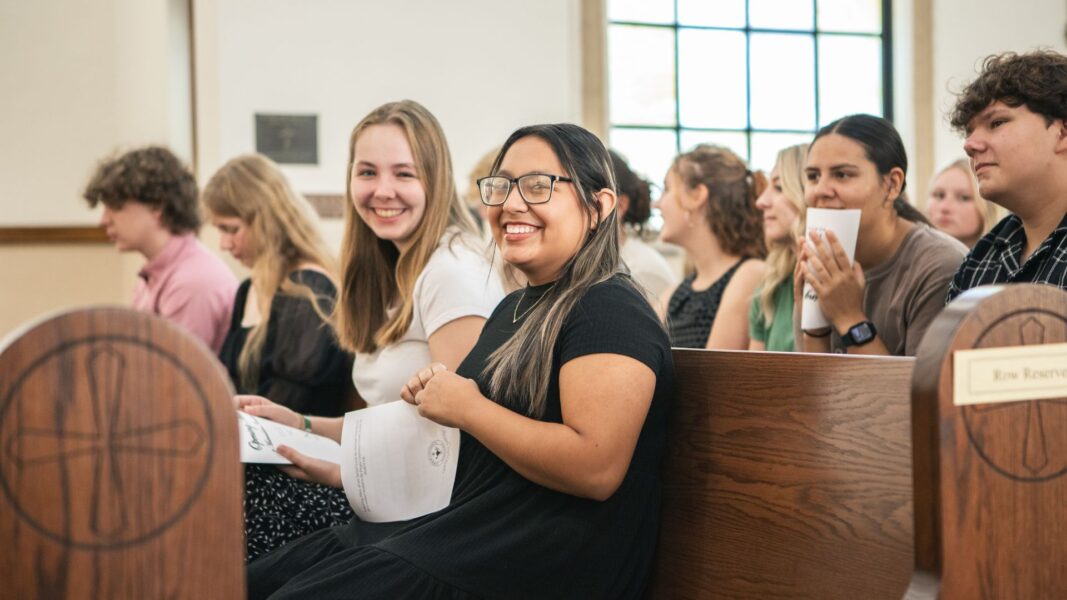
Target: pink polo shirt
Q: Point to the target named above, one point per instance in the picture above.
(189, 285)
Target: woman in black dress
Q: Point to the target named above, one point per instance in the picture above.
(281, 343)
(563, 405)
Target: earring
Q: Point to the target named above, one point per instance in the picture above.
(689, 218)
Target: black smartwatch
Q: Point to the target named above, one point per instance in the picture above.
(859, 334)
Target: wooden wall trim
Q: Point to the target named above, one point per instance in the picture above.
(594, 44)
(923, 98)
(53, 235)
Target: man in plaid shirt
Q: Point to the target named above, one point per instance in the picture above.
(1015, 118)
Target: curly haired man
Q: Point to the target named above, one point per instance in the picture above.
(150, 206)
(1014, 116)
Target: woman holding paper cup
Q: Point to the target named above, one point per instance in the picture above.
(563, 404)
(770, 319)
(709, 208)
(883, 301)
(416, 287)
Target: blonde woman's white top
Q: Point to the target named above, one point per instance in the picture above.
(457, 282)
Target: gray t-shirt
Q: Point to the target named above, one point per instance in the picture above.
(905, 293)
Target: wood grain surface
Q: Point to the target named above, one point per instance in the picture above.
(119, 470)
(787, 476)
(991, 480)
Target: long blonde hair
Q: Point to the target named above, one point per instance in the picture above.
(988, 212)
(782, 255)
(282, 235)
(375, 275)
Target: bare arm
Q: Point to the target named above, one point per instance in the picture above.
(729, 331)
(604, 400)
(452, 342)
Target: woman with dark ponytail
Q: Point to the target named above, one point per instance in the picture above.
(883, 302)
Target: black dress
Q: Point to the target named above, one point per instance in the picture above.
(503, 535)
(301, 367)
(691, 313)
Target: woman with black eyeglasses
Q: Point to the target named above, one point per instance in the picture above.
(563, 405)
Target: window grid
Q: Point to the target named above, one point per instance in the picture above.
(886, 67)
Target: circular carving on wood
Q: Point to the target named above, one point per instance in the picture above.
(100, 422)
(993, 429)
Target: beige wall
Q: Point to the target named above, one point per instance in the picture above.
(80, 80)
(92, 76)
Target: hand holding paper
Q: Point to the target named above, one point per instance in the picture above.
(261, 438)
(395, 464)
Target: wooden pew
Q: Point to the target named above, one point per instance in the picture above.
(787, 476)
(119, 472)
(990, 480)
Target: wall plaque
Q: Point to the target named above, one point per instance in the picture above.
(288, 139)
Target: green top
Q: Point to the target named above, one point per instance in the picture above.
(778, 337)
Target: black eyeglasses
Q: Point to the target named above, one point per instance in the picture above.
(535, 188)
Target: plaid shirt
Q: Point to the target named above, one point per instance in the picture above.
(995, 259)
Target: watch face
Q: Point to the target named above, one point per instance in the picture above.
(861, 333)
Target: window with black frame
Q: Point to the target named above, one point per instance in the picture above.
(752, 75)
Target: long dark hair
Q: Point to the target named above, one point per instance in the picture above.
(519, 371)
(883, 146)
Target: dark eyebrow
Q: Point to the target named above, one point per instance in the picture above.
(984, 116)
(507, 173)
(844, 166)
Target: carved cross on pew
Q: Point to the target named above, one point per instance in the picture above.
(106, 442)
(1041, 458)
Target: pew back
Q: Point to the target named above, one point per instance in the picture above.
(119, 470)
(787, 476)
(990, 479)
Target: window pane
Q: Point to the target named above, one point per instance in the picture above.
(765, 147)
(856, 16)
(641, 75)
(649, 151)
(850, 76)
(711, 77)
(641, 11)
(720, 13)
(781, 14)
(783, 81)
(734, 140)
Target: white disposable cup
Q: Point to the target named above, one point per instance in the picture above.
(845, 224)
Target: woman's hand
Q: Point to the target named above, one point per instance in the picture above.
(310, 469)
(258, 406)
(419, 381)
(441, 395)
(838, 284)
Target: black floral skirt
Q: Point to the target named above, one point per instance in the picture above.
(279, 509)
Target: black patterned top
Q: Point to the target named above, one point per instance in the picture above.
(998, 258)
(690, 313)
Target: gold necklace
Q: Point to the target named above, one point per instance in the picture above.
(515, 316)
